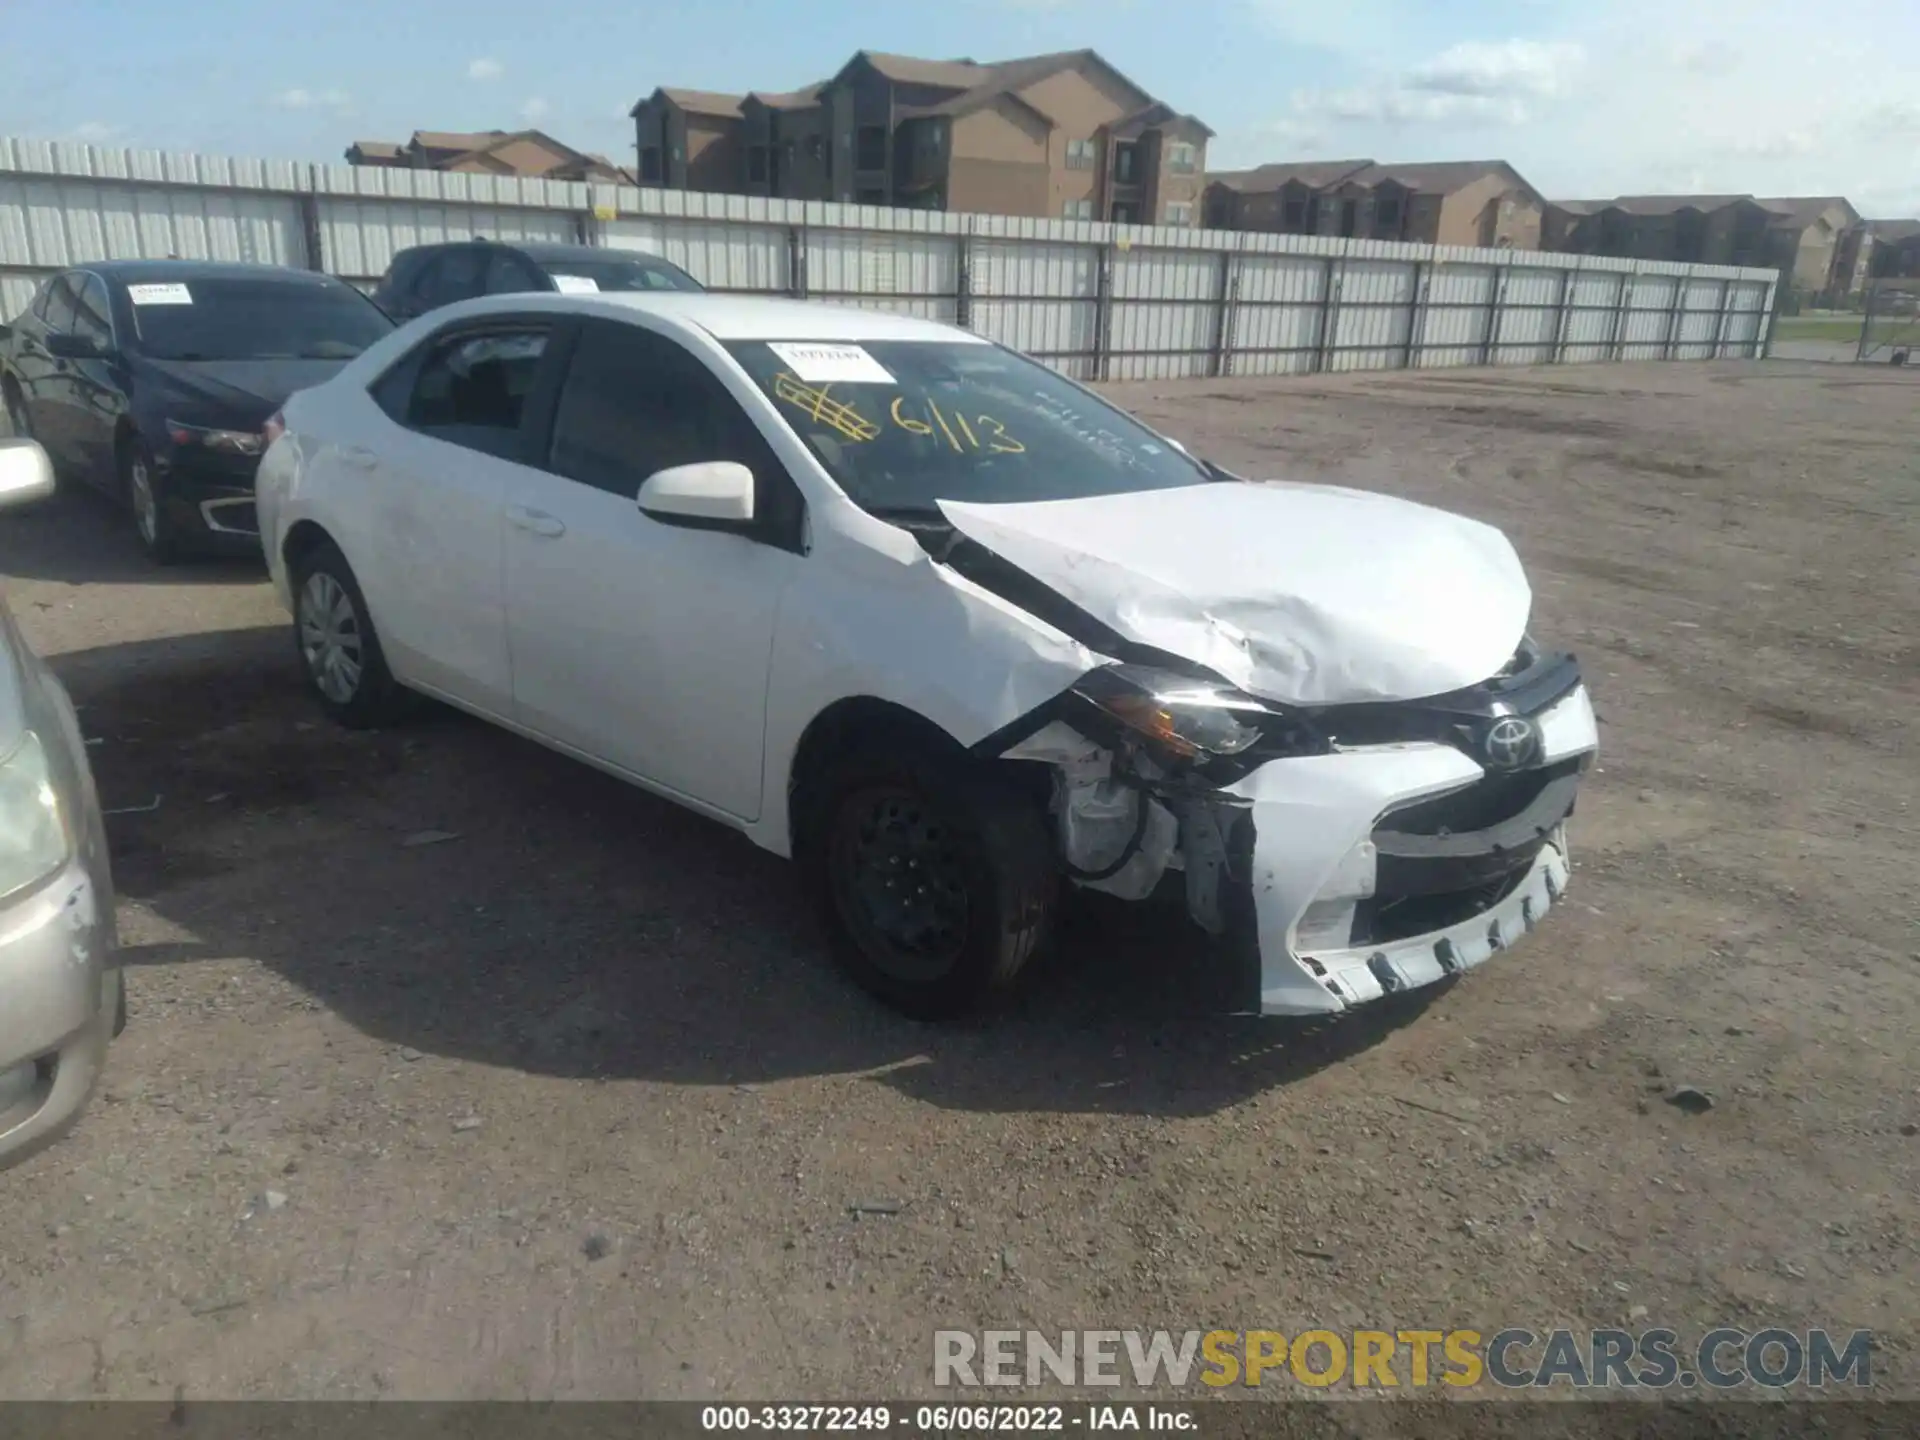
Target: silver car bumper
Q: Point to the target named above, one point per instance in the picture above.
(63, 1000)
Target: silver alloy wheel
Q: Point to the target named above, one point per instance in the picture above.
(146, 512)
(330, 637)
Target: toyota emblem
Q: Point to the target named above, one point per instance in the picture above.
(1511, 742)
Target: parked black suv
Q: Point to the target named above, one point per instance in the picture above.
(154, 381)
(428, 276)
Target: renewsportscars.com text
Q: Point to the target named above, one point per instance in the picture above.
(1604, 1359)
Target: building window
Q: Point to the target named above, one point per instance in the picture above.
(1182, 159)
(1077, 210)
(871, 195)
(1124, 212)
(1126, 163)
(815, 149)
(757, 164)
(1081, 154)
(1179, 213)
(1293, 215)
(1386, 211)
(650, 164)
(872, 143)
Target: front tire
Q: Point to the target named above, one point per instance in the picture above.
(339, 649)
(936, 880)
(152, 522)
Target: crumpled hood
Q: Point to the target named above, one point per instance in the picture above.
(1303, 594)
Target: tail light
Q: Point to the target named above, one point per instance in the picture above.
(275, 427)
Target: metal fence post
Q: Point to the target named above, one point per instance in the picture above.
(1623, 306)
(1563, 322)
(963, 278)
(1496, 314)
(797, 261)
(1866, 320)
(1226, 291)
(1726, 313)
(1776, 302)
(1682, 283)
(1103, 313)
(1323, 345)
(311, 235)
(1415, 294)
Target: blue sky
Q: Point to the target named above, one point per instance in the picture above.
(1586, 97)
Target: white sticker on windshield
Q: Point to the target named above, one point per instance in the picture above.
(159, 294)
(576, 285)
(819, 364)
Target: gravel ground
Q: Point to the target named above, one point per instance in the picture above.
(569, 1103)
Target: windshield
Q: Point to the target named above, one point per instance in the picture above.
(232, 319)
(902, 424)
(588, 275)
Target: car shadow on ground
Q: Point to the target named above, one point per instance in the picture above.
(81, 537)
(446, 886)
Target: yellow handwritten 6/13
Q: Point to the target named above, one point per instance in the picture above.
(956, 428)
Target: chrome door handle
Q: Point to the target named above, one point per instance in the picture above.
(534, 522)
(359, 457)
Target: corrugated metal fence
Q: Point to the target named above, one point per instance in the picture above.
(1098, 301)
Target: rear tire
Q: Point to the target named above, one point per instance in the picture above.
(936, 880)
(339, 649)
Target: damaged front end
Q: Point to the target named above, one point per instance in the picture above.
(1353, 851)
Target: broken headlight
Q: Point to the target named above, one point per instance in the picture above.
(1187, 718)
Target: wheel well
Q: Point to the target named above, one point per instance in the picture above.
(857, 722)
(864, 721)
(301, 539)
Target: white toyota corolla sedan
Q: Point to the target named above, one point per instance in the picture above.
(943, 626)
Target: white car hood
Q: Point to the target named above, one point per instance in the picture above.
(1303, 594)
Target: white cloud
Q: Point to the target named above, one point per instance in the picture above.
(1607, 97)
(1704, 57)
(1512, 68)
(533, 109)
(298, 99)
(95, 131)
(1497, 84)
(485, 68)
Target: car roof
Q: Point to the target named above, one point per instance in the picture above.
(735, 317)
(555, 250)
(150, 272)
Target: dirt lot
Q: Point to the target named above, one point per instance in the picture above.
(677, 1100)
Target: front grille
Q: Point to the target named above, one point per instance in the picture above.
(1485, 803)
(1387, 918)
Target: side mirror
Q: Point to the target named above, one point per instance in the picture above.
(26, 474)
(74, 347)
(709, 495)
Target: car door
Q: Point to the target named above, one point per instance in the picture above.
(96, 394)
(42, 376)
(639, 642)
(427, 485)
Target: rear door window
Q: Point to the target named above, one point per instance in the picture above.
(472, 389)
(508, 274)
(57, 310)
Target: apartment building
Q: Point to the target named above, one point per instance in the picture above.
(1062, 135)
(1469, 202)
(532, 153)
(688, 139)
(1808, 237)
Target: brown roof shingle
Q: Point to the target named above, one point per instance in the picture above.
(1314, 174)
(908, 70)
(455, 139)
(703, 102)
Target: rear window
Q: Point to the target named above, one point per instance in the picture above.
(617, 274)
(244, 319)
